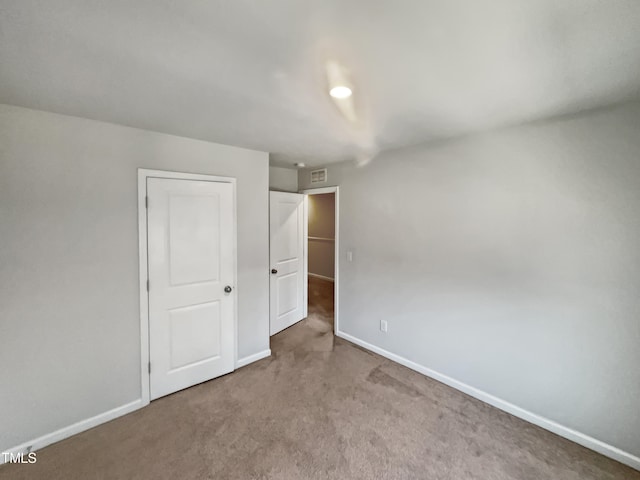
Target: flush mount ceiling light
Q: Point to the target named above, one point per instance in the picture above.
(340, 91)
(299, 165)
(339, 84)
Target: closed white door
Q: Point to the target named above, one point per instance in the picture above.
(192, 256)
(288, 235)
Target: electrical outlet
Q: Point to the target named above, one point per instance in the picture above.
(349, 256)
(383, 326)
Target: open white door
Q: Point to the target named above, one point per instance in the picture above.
(191, 255)
(288, 233)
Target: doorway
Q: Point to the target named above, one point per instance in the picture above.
(304, 267)
(322, 256)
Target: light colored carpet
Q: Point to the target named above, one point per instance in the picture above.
(320, 408)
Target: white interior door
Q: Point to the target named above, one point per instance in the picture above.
(192, 257)
(288, 234)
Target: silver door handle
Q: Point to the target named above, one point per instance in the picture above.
(228, 289)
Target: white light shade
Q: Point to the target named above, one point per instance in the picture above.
(340, 91)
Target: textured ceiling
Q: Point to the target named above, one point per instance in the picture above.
(251, 73)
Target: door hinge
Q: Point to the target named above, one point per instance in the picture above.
(146, 201)
(147, 284)
(149, 367)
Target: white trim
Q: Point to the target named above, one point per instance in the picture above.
(320, 190)
(242, 362)
(142, 285)
(143, 174)
(305, 261)
(566, 432)
(336, 271)
(320, 276)
(74, 429)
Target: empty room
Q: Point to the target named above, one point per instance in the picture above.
(294, 239)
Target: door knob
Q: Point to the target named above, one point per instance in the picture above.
(228, 289)
(274, 271)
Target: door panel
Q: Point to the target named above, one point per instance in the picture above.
(194, 334)
(191, 254)
(287, 293)
(287, 255)
(193, 237)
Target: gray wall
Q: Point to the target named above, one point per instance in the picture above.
(509, 261)
(322, 228)
(283, 179)
(69, 313)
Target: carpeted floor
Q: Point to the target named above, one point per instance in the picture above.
(319, 408)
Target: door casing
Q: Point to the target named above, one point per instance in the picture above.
(143, 174)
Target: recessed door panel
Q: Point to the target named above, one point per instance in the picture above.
(194, 247)
(195, 334)
(286, 244)
(287, 293)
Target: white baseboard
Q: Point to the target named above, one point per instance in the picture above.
(253, 358)
(74, 429)
(81, 426)
(320, 276)
(566, 432)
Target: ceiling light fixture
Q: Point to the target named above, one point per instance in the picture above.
(299, 165)
(340, 91)
(338, 80)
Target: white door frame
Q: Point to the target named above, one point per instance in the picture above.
(336, 269)
(143, 174)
